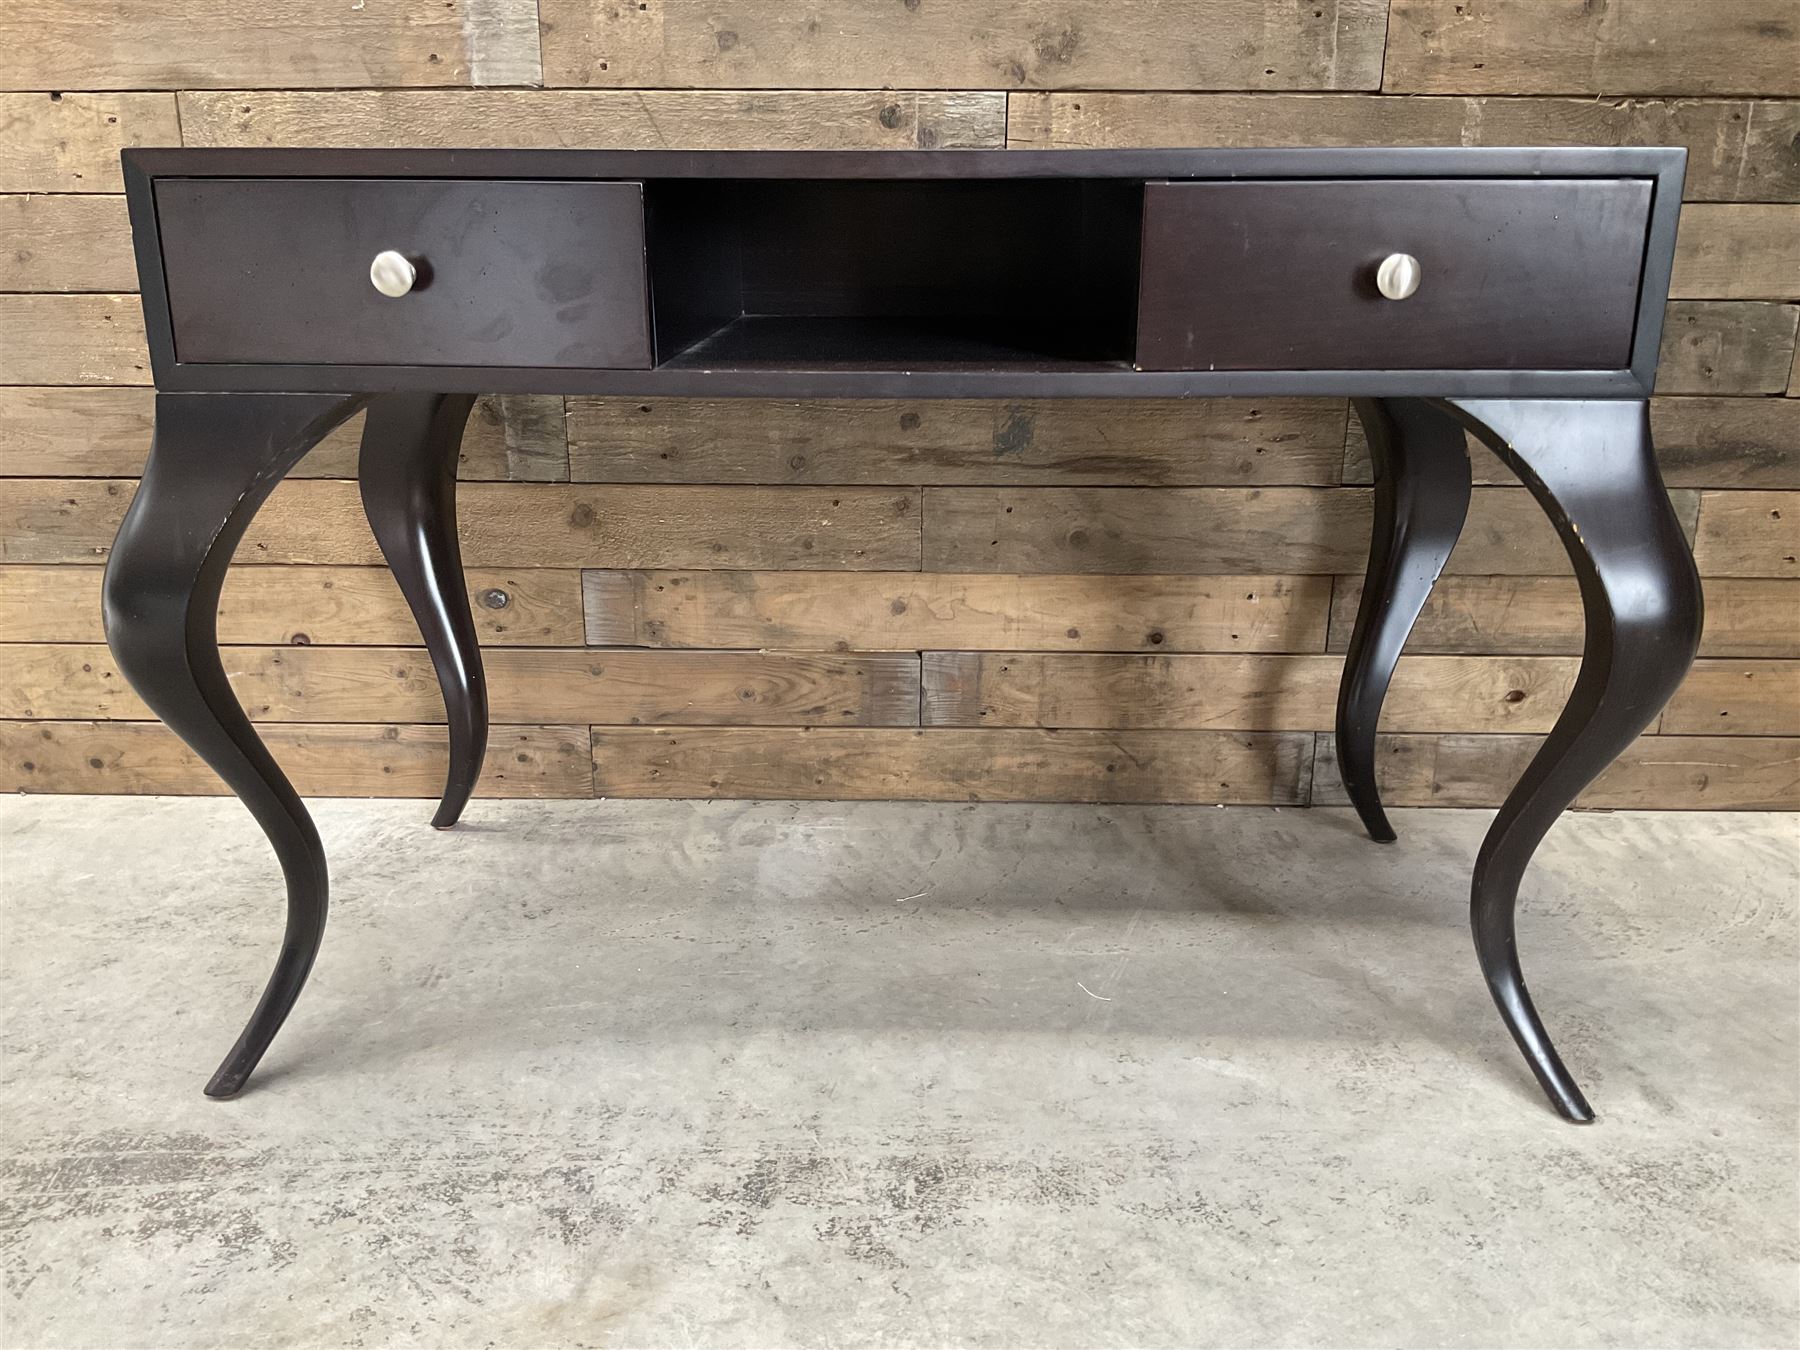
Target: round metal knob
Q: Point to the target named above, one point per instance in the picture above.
(1398, 276)
(392, 274)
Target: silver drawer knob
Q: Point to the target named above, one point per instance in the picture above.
(392, 274)
(1398, 276)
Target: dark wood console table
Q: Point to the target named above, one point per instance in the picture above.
(1515, 294)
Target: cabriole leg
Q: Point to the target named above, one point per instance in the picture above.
(214, 459)
(1591, 467)
(1421, 461)
(408, 472)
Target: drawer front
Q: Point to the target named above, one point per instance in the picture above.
(1522, 274)
(277, 271)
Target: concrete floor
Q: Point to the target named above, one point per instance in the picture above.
(675, 1074)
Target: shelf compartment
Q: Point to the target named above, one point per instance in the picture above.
(1011, 274)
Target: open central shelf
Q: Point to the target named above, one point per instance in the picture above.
(824, 342)
(1011, 274)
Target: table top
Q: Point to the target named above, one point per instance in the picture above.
(1665, 163)
(822, 273)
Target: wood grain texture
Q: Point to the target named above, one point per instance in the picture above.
(72, 339)
(1700, 441)
(71, 142)
(1145, 530)
(77, 682)
(65, 243)
(1025, 765)
(1739, 150)
(76, 432)
(1749, 534)
(1737, 253)
(508, 438)
(46, 520)
(201, 44)
(1555, 47)
(601, 119)
(1171, 582)
(1726, 347)
(1720, 773)
(523, 438)
(1727, 442)
(1736, 698)
(1442, 694)
(1150, 441)
(323, 760)
(300, 606)
(907, 611)
(1749, 617)
(1234, 693)
(979, 44)
(1211, 530)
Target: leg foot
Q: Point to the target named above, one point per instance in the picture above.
(1421, 498)
(213, 461)
(408, 472)
(1591, 466)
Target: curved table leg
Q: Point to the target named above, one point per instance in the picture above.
(408, 472)
(213, 461)
(1421, 498)
(1591, 467)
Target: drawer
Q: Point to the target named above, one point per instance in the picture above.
(1519, 274)
(277, 271)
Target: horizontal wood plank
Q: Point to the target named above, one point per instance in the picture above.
(1736, 698)
(1656, 772)
(1211, 530)
(322, 760)
(834, 763)
(71, 142)
(1721, 773)
(978, 44)
(1299, 693)
(47, 520)
(521, 438)
(1145, 530)
(73, 432)
(65, 243)
(1701, 442)
(50, 520)
(1235, 693)
(198, 44)
(1726, 347)
(1739, 150)
(508, 437)
(675, 119)
(1737, 253)
(1727, 442)
(907, 611)
(1554, 47)
(72, 339)
(525, 685)
(933, 441)
(1749, 534)
(1747, 617)
(307, 605)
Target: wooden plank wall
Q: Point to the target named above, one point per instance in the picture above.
(1082, 601)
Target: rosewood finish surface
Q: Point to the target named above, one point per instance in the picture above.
(1515, 294)
(1524, 274)
(528, 274)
